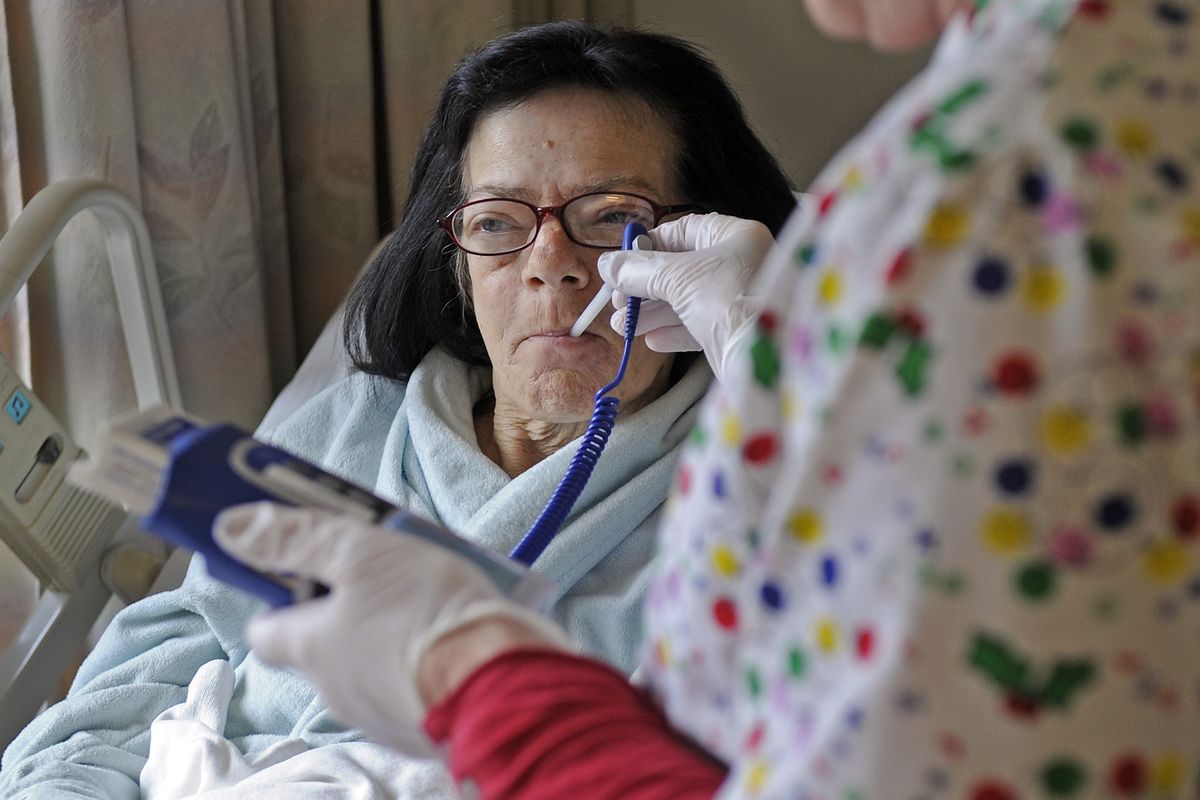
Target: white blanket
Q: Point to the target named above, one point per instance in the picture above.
(191, 758)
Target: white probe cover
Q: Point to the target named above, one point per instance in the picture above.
(604, 296)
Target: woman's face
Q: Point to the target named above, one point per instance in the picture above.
(545, 151)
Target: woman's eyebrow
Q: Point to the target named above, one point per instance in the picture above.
(498, 190)
(622, 182)
(618, 183)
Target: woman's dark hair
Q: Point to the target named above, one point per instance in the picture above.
(409, 299)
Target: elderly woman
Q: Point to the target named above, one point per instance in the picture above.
(468, 395)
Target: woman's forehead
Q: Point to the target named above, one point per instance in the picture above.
(571, 141)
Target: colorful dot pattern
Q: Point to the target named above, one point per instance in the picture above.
(939, 537)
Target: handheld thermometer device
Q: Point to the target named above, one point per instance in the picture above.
(599, 429)
(176, 474)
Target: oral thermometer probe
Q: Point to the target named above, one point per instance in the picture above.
(604, 417)
(604, 296)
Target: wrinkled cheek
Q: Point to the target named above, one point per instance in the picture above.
(521, 370)
(502, 350)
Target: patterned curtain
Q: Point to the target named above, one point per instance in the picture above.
(175, 103)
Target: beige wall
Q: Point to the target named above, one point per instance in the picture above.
(805, 94)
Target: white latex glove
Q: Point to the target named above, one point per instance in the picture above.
(391, 597)
(695, 285)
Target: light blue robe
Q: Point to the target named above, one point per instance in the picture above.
(414, 445)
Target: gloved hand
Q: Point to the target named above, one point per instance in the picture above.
(695, 285)
(391, 598)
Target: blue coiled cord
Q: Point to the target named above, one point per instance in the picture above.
(604, 417)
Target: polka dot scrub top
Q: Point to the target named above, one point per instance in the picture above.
(939, 534)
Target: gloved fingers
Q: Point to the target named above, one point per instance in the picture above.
(628, 272)
(675, 339)
(727, 251)
(648, 274)
(280, 638)
(702, 231)
(653, 314)
(300, 541)
(620, 302)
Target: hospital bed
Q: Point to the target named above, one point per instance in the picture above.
(70, 540)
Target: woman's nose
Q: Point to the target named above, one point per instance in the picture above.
(555, 261)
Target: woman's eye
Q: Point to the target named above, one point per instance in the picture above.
(617, 217)
(491, 225)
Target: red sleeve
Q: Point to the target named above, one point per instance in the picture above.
(533, 724)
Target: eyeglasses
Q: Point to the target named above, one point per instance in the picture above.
(496, 226)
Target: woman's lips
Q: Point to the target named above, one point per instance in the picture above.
(562, 338)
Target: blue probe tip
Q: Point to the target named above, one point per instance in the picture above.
(632, 231)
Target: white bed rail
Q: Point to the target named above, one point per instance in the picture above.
(52, 637)
(139, 298)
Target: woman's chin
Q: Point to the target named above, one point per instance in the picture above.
(561, 395)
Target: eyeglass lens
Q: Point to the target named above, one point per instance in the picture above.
(499, 226)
